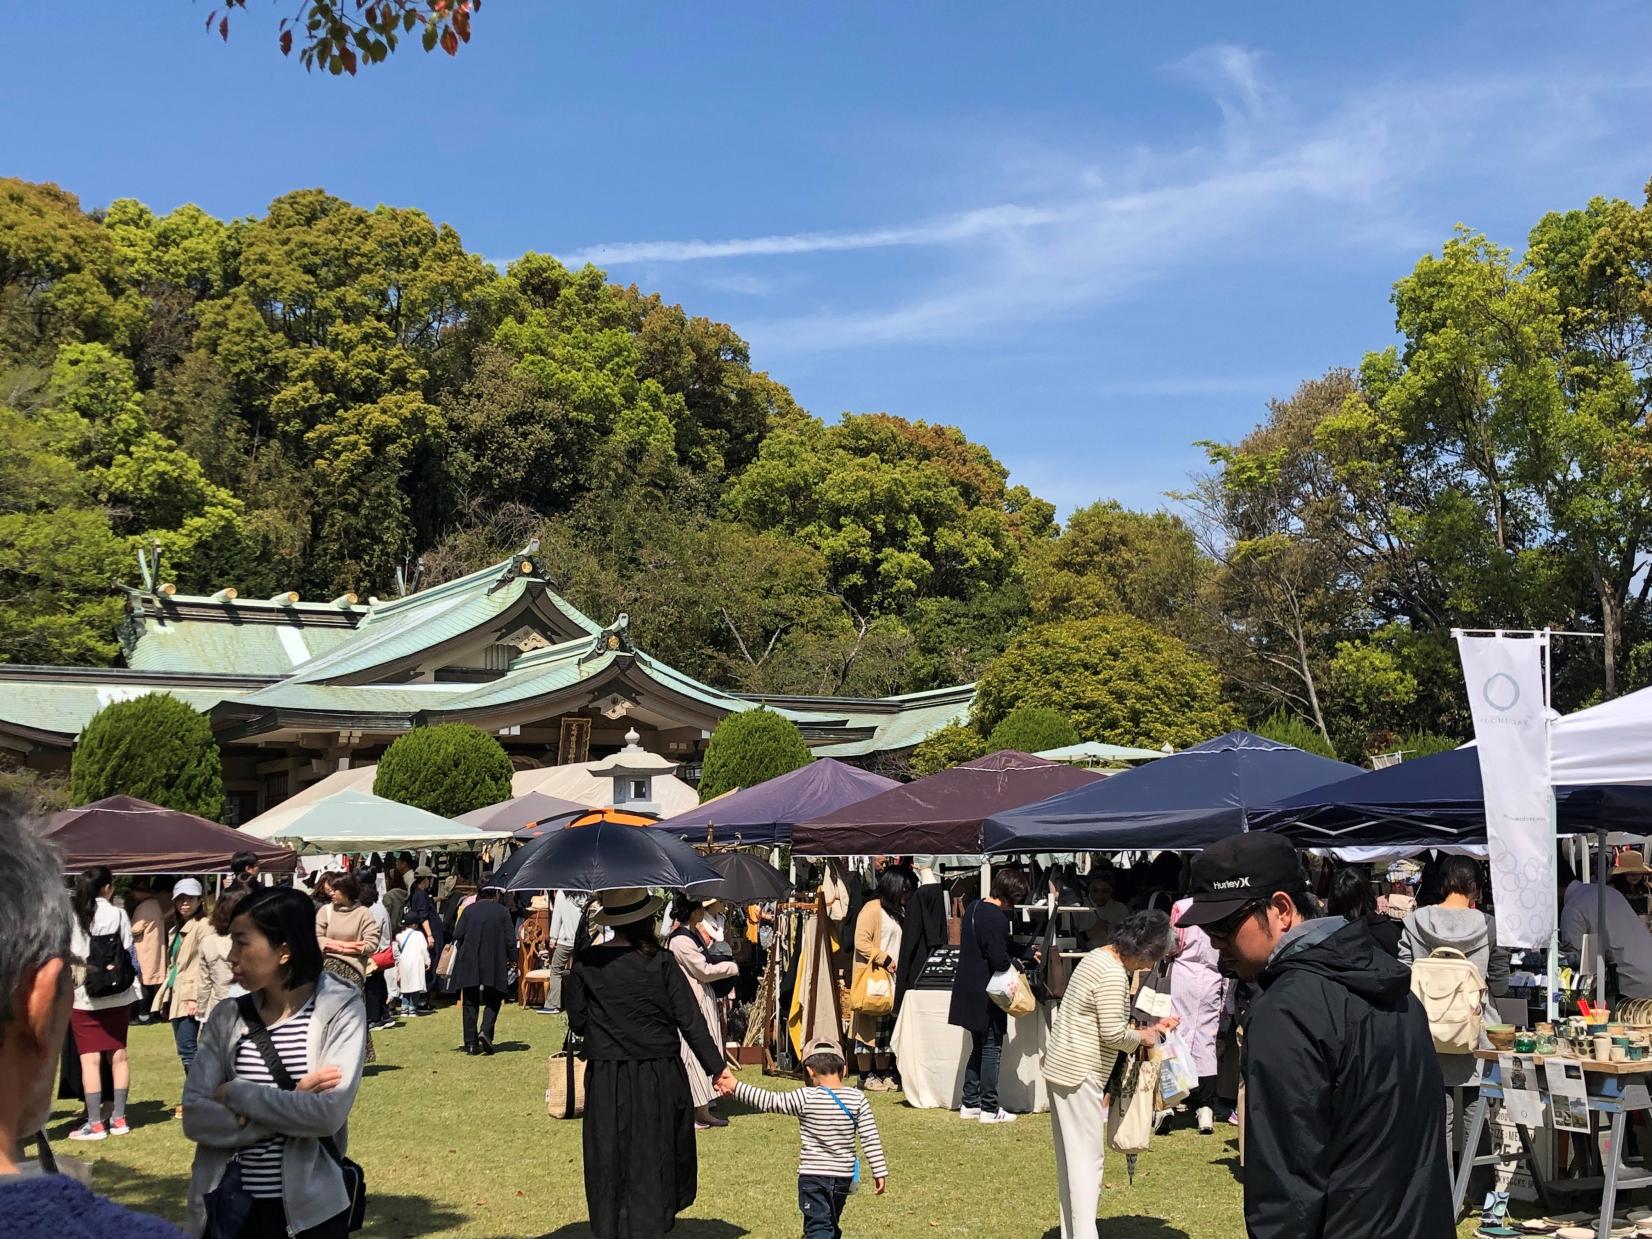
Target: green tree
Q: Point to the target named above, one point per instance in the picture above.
(338, 36)
(1032, 729)
(1110, 560)
(1417, 744)
(153, 747)
(901, 510)
(1114, 677)
(447, 770)
(749, 747)
(951, 746)
(1289, 729)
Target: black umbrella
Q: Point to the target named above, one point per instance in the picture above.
(605, 856)
(746, 879)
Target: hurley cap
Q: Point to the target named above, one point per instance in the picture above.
(1239, 870)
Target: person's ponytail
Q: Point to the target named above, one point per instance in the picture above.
(84, 899)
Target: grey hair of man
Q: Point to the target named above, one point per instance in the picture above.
(35, 919)
(1143, 937)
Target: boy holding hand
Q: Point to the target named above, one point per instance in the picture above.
(831, 1117)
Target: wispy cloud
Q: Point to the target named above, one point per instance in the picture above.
(1271, 177)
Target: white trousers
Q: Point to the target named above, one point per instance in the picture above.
(1079, 1122)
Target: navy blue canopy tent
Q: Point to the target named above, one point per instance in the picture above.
(1185, 801)
(1435, 800)
(766, 812)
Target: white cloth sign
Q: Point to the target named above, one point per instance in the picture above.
(1505, 694)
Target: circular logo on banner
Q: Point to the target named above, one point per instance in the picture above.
(1501, 692)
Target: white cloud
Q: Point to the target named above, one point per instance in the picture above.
(1269, 179)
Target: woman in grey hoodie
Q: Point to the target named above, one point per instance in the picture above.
(1457, 922)
(283, 1144)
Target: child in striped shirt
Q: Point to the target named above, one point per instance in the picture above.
(831, 1117)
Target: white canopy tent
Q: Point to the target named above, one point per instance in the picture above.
(1608, 743)
(356, 821)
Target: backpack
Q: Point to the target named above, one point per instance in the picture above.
(109, 969)
(1453, 995)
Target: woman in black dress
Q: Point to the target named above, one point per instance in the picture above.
(630, 1001)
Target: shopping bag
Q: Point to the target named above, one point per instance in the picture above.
(1009, 990)
(446, 960)
(1178, 1071)
(873, 992)
(1130, 1116)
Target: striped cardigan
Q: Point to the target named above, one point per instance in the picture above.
(1092, 1024)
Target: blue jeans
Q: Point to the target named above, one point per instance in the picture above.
(185, 1031)
(821, 1197)
(981, 1072)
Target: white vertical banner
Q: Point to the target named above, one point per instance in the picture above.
(1505, 693)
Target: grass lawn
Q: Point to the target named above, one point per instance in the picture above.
(454, 1145)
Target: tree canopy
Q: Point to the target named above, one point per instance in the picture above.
(448, 769)
(1114, 678)
(155, 748)
(750, 747)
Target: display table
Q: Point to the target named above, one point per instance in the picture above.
(931, 1055)
(1616, 1090)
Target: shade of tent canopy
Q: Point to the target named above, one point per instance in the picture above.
(767, 812)
(133, 836)
(1435, 800)
(1094, 752)
(521, 813)
(940, 813)
(1183, 801)
(362, 822)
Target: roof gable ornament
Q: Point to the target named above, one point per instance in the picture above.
(521, 564)
(614, 639)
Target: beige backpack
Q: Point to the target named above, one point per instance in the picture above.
(1454, 996)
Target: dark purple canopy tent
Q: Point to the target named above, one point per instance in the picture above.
(767, 812)
(134, 836)
(940, 814)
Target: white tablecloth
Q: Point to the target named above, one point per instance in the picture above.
(931, 1055)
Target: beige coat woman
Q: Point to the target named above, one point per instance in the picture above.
(877, 941)
(686, 948)
(213, 976)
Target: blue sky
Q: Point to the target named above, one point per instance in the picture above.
(1088, 234)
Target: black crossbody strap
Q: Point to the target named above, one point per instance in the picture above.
(259, 1034)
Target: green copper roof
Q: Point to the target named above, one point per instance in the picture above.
(66, 708)
(902, 729)
(261, 648)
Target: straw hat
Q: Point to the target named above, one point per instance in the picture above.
(1629, 862)
(627, 905)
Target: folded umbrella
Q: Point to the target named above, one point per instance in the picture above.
(605, 856)
(746, 878)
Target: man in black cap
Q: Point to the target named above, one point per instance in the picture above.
(1344, 1102)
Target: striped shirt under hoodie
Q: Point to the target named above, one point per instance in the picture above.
(828, 1133)
(261, 1162)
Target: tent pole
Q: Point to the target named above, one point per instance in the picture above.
(1600, 922)
(1554, 826)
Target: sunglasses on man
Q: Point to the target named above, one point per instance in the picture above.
(1222, 930)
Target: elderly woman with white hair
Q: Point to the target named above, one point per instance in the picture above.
(1091, 1029)
(632, 1004)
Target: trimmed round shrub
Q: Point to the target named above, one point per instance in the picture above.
(448, 769)
(749, 747)
(1031, 729)
(951, 746)
(1289, 729)
(1116, 678)
(154, 747)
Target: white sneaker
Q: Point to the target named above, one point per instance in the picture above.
(1207, 1120)
(1000, 1116)
(1160, 1119)
(969, 1112)
(90, 1131)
